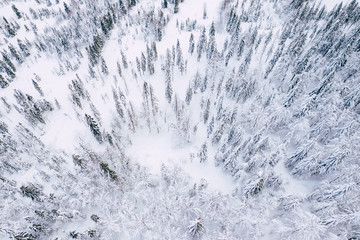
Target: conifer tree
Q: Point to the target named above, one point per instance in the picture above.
(173, 56)
(154, 50)
(14, 8)
(138, 64)
(7, 69)
(150, 57)
(37, 87)
(24, 49)
(124, 61)
(168, 75)
(178, 53)
(196, 228)
(189, 93)
(201, 46)
(122, 7)
(104, 68)
(118, 104)
(168, 66)
(143, 62)
(204, 84)
(3, 82)
(67, 10)
(119, 68)
(8, 62)
(211, 49)
(10, 29)
(15, 54)
(191, 44)
(91, 71)
(203, 154)
(168, 91)
(94, 127)
(176, 6)
(207, 111)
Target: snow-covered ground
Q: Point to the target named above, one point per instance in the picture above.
(153, 150)
(76, 164)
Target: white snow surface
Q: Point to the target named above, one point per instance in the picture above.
(153, 150)
(149, 149)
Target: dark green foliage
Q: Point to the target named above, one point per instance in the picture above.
(8, 71)
(24, 49)
(91, 71)
(25, 236)
(274, 60)
(32, 109)
(78, 160)
(92, 233)
(16, 11)
(11, 30)
(212, 30)
(3, 82)
(154, 50)
(94, 127)
(191, 44)
(143, 62)
(201, 46)
(38, 227)
(211, 49)
(67, 9)
(207, 111)
(168, 75)
(168, 91)
(204, 84)
(15, 54)
(95, 218)
(94, 50)
(203, 154)
(158, 34)
(254, 187)
(50, 215)
(31, 191)
(104, 68)
(118, 104)
(150, 59)
(37, 87)
(218, 133)
(176, 6)
(107, 24)
(119, 68)
(74, 234)
(196, 229)
(78, 86)
(124, 61)
(109, 172)
(8, 62)
(110, 139)
(189, 93)
(165, 3)
(122, 7)
(179, 57)
(138, 64)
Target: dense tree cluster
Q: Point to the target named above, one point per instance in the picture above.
(276, 108)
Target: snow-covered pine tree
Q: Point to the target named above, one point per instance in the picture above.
(191, 44)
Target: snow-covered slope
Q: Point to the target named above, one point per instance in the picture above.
(179, 119)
